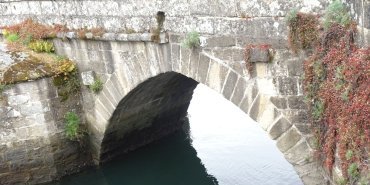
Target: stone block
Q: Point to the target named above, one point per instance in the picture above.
(314, 178)
(304, 128)
(230, 83)
(295, 67)
(307, 167)
(300, 154)
(18, 99)
(288, 139)
(204, 62)
(254, 110)
(259, 54)
(33, 108)
(105, 46)
(216, 76)
(286, 85)
(279, 127)
(16, 154)
(219, 41)
(184, 58)
(88, 77)
(175, 57)
(239, 91)
(279, 102)
(108, 36)
(194, 62)
(297, 102)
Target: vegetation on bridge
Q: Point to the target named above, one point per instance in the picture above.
(38, 59)
(336, 85)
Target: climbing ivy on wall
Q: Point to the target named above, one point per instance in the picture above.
(336, 84)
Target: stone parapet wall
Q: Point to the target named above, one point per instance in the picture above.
(211, 17)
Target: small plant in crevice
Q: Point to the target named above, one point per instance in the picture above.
(72, 126)
(160, 17)
(191, 40)
(97, 86)
(67, 84)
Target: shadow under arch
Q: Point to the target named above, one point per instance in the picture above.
(153, 109)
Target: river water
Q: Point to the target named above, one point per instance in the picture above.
(219, 145)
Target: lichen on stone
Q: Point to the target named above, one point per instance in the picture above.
(27, 65)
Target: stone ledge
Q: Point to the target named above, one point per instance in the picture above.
(111, 36)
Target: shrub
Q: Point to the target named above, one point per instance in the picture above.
(303, 30)
(41, 46)
(12, 37)
(353, 171)
(72, 126)
(191, 40)
(336, 13)
(97, 86)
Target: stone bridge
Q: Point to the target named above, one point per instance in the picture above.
(148, 85)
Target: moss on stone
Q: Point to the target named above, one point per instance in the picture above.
(35, 66)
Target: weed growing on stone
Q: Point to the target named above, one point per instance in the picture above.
(72, 126)
(67, 84)
(191, 40)
(41, 46)
(13, 37)
(35, 30)
(97, 86)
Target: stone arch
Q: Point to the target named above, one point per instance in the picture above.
(175, 71)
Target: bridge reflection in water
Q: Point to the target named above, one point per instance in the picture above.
(220, 145)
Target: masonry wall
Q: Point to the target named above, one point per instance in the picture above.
(33, 147)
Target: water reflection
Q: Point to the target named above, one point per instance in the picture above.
(232, 146)
(171, 160)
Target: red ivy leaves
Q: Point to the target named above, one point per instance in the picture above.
(344, 88)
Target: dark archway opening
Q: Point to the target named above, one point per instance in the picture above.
(154, 109)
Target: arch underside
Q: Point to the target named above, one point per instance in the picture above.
(153, 109)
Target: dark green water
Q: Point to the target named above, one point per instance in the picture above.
(221, 145)
(170, 161)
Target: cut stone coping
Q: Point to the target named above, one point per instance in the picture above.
(110, 36)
